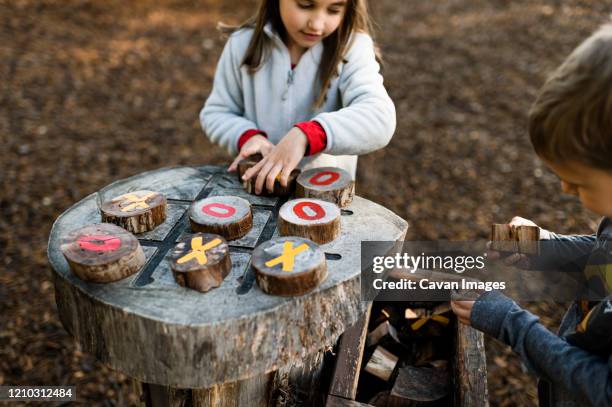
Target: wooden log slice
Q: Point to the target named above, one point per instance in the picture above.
(247, 163)
(201, 261)
(328, 184)
(136, 212)
(503, 238)
(289, 266)
(102, 253)
(228, 216)
(312, 219)
(528, 239)
(278, 190)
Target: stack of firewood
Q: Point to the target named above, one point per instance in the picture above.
(408, 355)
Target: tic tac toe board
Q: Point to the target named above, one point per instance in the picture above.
(151, 328)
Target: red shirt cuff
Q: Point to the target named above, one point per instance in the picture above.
(247, 135)
(315, 134)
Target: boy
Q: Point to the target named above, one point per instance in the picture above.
(571, 131)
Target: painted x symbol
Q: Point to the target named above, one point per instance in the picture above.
(198, 251)
(288, 256)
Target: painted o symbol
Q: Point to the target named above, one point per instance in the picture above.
(99, 243)
(316, 211)
(219, 210)
(324, 178)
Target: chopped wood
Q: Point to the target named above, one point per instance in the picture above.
(515, 239)
(136, 212)
(312, 219)
(383, 330)
(423, 384)
(382, 363)
(328, 184)
(415, 313)
(102, 253)
(335, 401)
(349, 357)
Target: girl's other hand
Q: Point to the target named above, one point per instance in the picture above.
(283, 159)
(256, 144)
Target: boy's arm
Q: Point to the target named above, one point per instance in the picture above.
(222, 116)
(578, 371)
(367, 121)
(563, 252)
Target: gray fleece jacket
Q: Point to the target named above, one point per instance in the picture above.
(358, 116)
(569, 375)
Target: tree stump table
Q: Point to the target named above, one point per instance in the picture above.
(231, 346)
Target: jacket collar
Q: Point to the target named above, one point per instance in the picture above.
(316, 52)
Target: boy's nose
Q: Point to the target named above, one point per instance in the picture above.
(316, 24)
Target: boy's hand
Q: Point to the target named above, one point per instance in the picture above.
(283, 159)
(463, 310)
(256, 144)
(517, 259)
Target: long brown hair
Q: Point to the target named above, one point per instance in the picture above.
(356, 19)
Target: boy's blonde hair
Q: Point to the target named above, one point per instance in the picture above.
(571, 119)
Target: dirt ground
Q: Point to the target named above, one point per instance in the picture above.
(94, 91)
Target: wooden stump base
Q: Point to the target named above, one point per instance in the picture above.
(289, 266)
(102, 253)
(201, 261)
(327, 184)
(312, 219)
(136, 212)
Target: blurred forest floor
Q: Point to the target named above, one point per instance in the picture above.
(95, 91)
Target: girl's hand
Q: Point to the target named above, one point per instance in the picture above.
(283, 159)
(256, 144)
(463, 310)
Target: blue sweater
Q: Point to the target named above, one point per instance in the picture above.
(569, 375)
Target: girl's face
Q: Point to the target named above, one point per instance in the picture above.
(308, 22)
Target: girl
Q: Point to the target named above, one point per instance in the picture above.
(300, 84)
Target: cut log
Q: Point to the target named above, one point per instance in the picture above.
(136, 212)
(278, 189)
(327, 184)
(201, 261)
(247, 163)
(102, 253)
(289, 266)
(503, 238)
(228, 216)
(528, 239)
(419, 384)
(381, 364)
(312, 219)
(382, 331)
